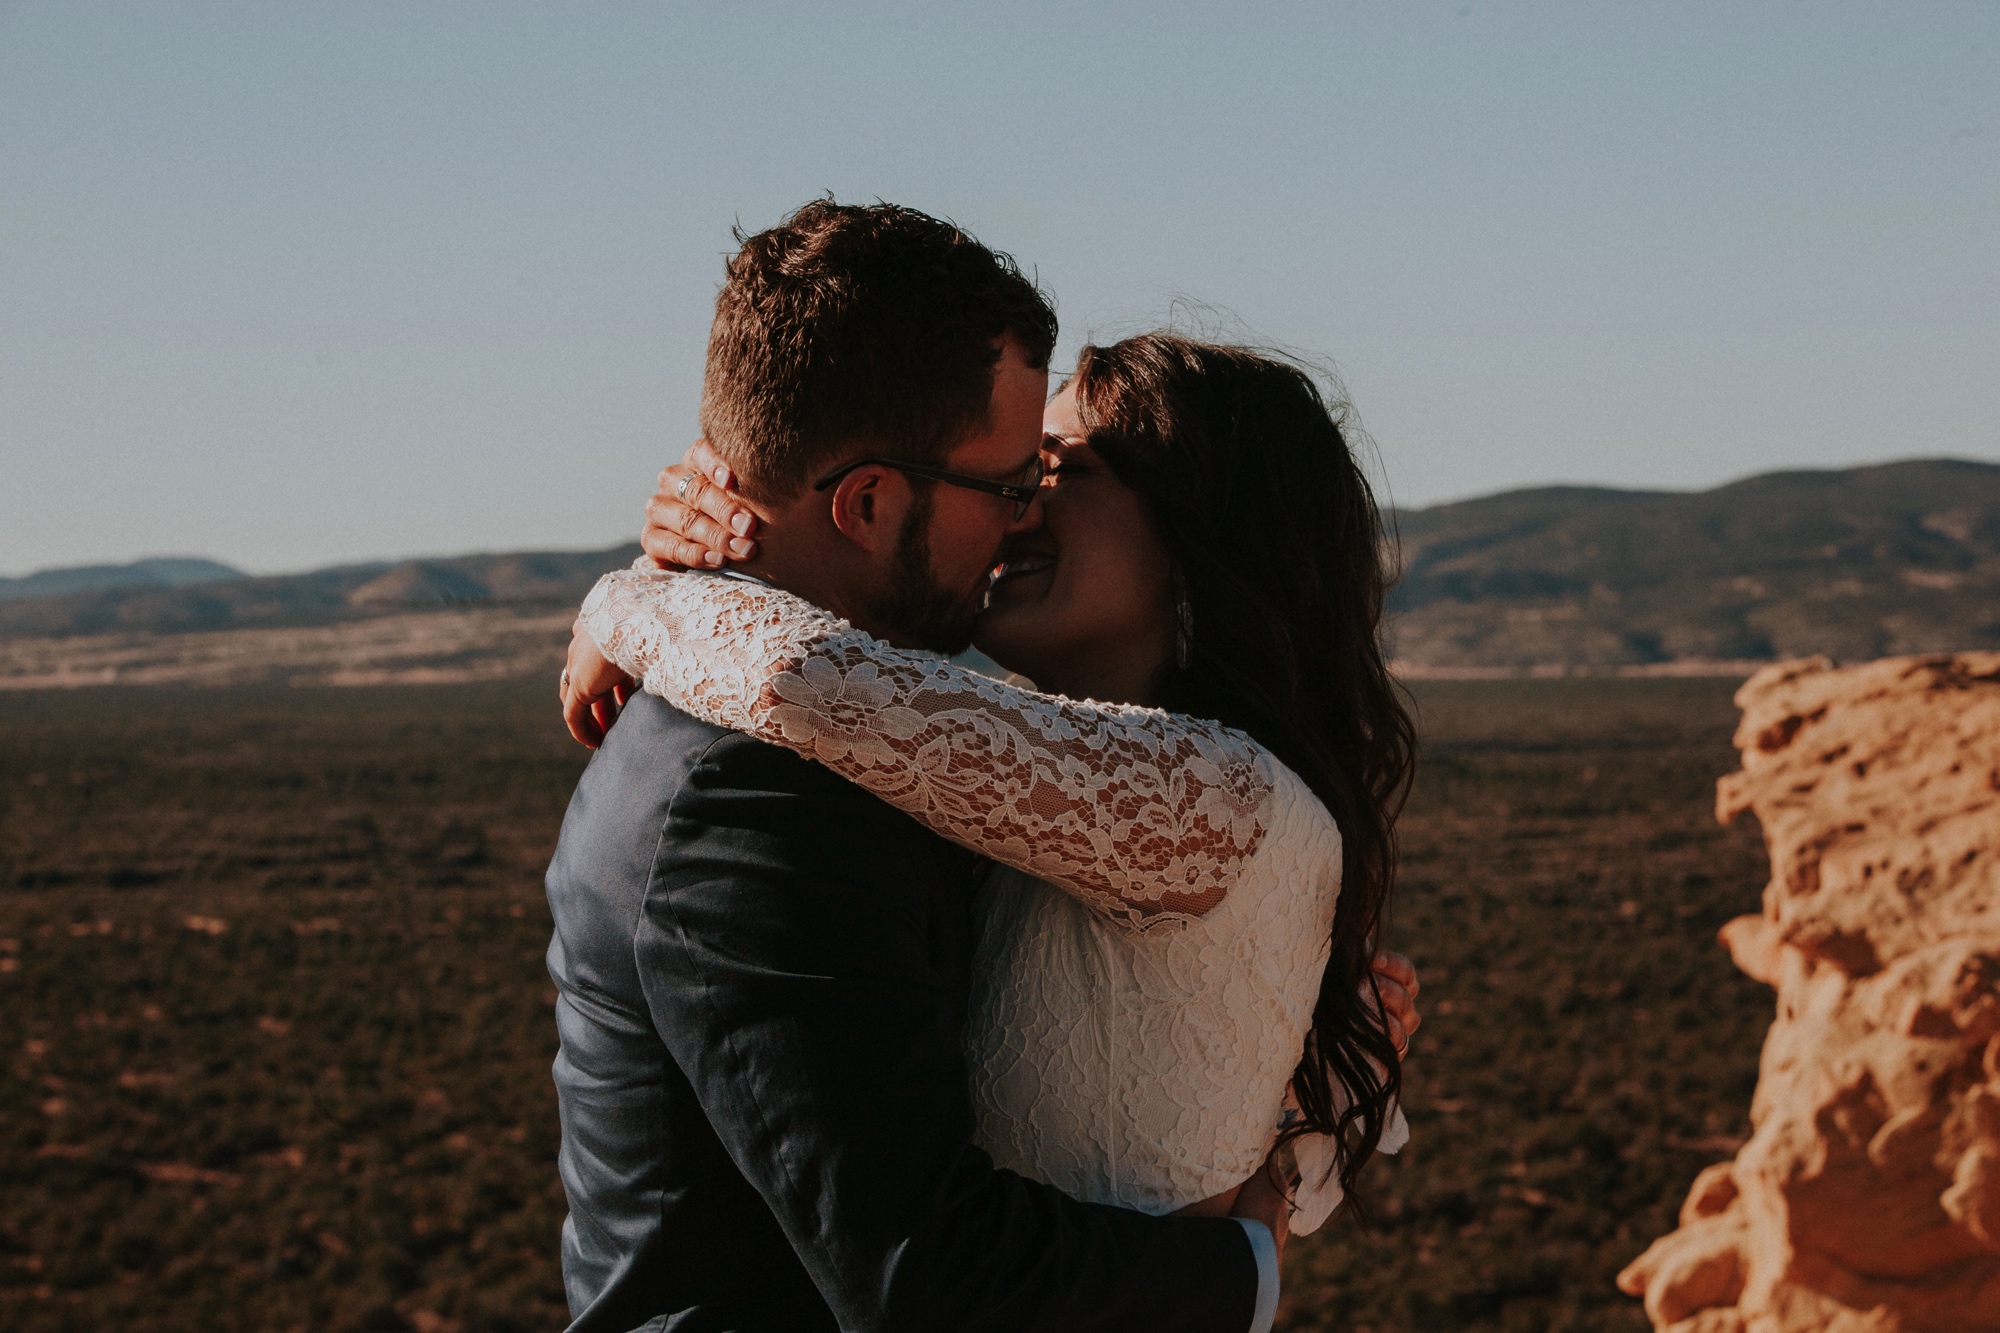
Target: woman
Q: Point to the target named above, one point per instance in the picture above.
(1174, 967)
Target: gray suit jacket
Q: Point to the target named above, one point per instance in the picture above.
(761, 973)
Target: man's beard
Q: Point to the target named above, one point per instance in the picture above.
(913, 607)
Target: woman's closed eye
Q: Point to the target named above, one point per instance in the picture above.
(1062, 459)
(1068, 472)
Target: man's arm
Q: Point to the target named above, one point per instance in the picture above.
(786, 951)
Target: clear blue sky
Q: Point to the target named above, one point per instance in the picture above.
(287, 284)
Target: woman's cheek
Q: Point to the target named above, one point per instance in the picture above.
(1112, 602)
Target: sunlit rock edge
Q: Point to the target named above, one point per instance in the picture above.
(1868, 1197)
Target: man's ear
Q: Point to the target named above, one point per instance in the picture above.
(868, 507)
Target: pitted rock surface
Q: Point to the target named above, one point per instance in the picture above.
(1868, 1197)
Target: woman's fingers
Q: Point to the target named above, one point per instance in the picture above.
(664, 536)
(593, 690)
(697, 503)
(679, 535)
(670, 551)
(700, 535)
(698, 525)
(603, 712)
(578, 718)
(715, 497)
(665, 540)
(702, 457)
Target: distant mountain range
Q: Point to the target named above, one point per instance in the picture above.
(326, 596)
(160, 573)
(1861, 563)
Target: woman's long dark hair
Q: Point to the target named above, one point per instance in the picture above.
(1277, 542)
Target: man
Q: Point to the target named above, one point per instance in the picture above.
(762, 969)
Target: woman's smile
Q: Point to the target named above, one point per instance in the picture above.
(1024, 559)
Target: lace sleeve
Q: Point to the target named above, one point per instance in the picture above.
(1143, 814)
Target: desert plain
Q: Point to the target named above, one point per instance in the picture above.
(278, 1032)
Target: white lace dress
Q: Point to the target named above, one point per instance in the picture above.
(1152, 942)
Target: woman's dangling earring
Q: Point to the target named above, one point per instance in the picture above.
(1183, 624)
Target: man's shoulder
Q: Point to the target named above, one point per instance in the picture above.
(650, 750)
(661, 771)
(655, 751)
(650, 719)
(655, 745)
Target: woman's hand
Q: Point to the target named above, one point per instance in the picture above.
(1396, 979)
(695, 521)
(593, 690)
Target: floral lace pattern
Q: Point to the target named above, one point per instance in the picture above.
(1145, 815)
(1151, 951)
(1149, 1069)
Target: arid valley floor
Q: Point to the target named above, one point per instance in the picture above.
(277, 1032)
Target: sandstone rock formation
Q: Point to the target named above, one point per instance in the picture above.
(1868, 1197)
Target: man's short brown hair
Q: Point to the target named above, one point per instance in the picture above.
(849, 327)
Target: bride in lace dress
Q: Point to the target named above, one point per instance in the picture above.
(1173, 975)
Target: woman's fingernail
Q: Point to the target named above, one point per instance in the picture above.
(742, 523)
(741, 549)
(713, 559)
(722, 477)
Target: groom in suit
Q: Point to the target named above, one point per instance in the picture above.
(762, 970)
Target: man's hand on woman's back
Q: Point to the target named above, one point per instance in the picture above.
(1396, 979)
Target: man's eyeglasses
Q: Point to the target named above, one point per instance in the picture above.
(1021, 492)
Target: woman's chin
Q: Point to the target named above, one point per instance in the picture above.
(1014, 629)
(1006, 634)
